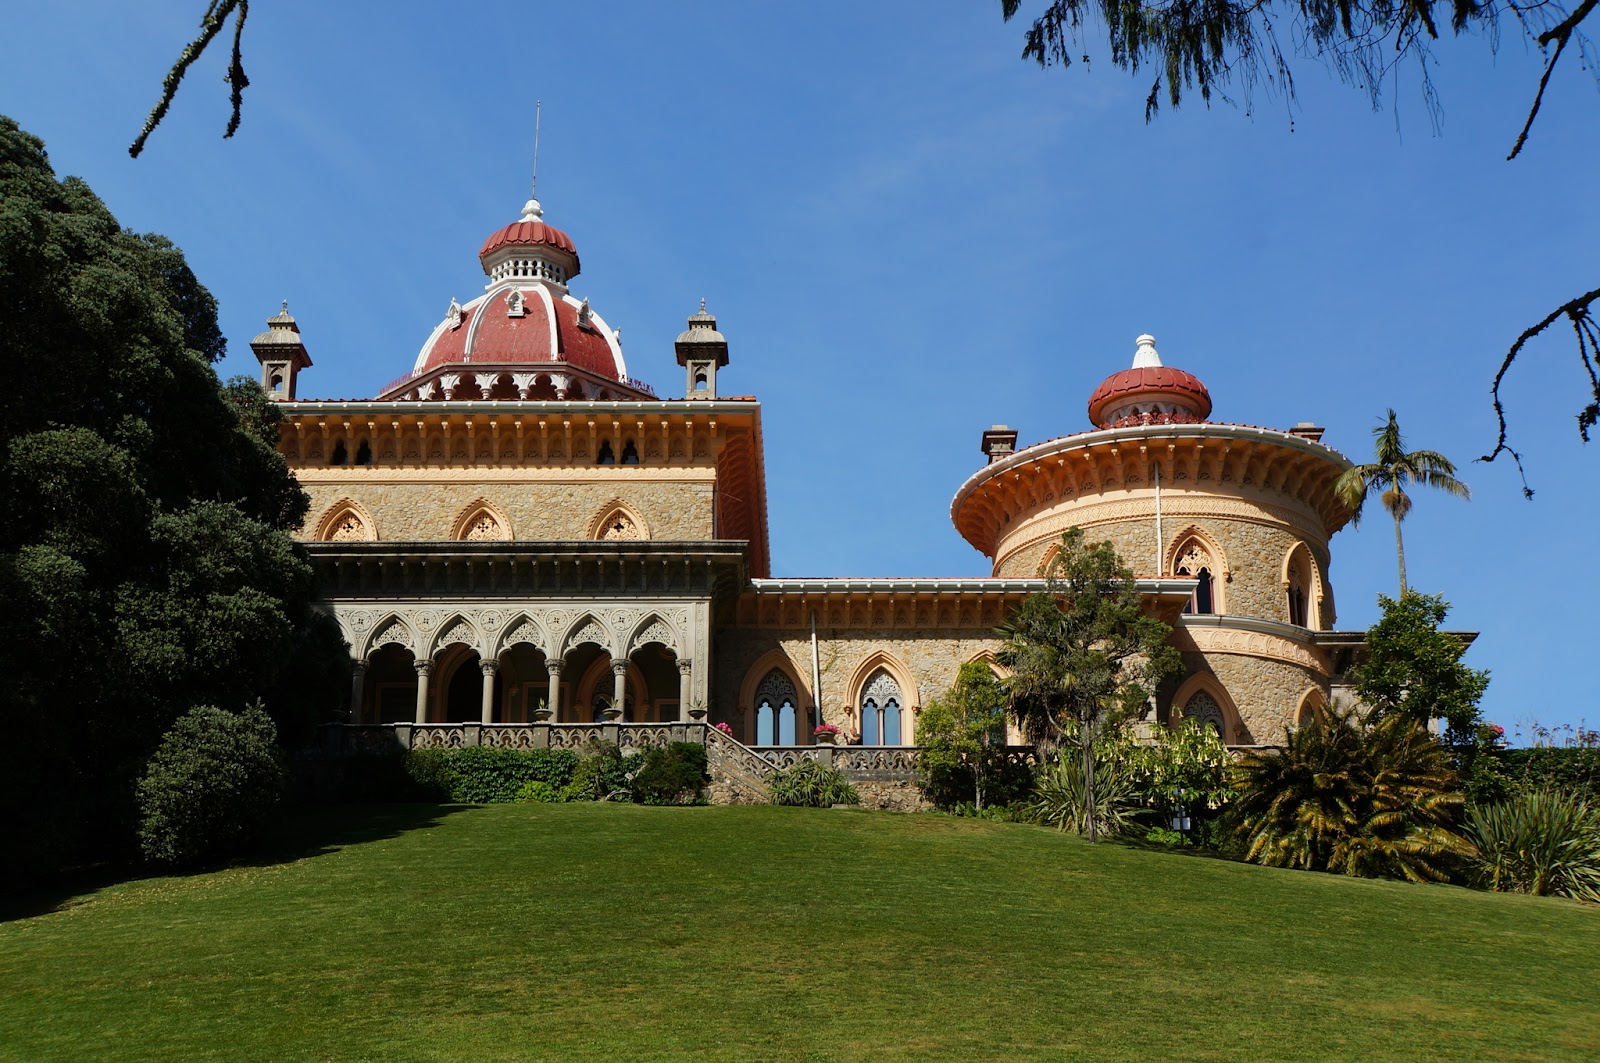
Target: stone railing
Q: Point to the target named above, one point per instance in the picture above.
(381, 738)
(738, 773)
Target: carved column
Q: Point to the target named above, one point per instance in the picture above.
(490, 666)
(553, 702)
(686, 692)
(619, 690)
(358, 683)
(423, 669)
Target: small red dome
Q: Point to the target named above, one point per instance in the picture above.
(1149, 393)
(529, 234)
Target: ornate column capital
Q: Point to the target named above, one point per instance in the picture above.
(619, 667)
(685, 666)
(553, 665)
(489, 665)
(422, 667)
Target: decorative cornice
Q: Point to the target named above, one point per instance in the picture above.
(1192, 458)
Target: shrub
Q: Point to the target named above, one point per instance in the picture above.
(812, 785)
(537, 791)
(210, 787)
(602, 774)
(671, 775)
(1542, 842)
(484, 775)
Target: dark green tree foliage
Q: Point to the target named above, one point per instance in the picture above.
(143, 557)
(211, 787)
(1378, 801)
(1084, 656)
(1413, 669)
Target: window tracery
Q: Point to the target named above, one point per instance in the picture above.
(1195, 562)
(880, 710)
(1204, 708)
(776, 710)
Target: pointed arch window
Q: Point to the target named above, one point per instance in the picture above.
(1297, 594)
(1195, 562)
(777, 707)
(1204, 708)
(880, 710)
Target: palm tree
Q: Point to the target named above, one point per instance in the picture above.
(1394, 468)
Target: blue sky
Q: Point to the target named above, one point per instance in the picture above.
(907, 234)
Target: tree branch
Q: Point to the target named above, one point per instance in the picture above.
(1577, 310)
(1538, 99)
(217, 12)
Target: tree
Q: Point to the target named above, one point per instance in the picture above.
(1084, 656)
(1413, 670)
(1393, 468)
(1375, 801)
(1234, 45)
(144, 560)
(962, 735)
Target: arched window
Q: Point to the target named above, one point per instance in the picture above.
(1204, 708)
(606, 456)
(340, 455)
(776, 707)
(1194, 562)
(1297, 594)
(364, 454)
(630, 454)
(700, 380)
(880, 710)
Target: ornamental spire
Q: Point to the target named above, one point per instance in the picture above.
(1146, 357)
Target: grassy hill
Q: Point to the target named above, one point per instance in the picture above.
(613, 932)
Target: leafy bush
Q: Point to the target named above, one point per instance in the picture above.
(812, 785)
(539, 792)
(1542, 842)
(1060, 798)
(483, 775)
(671, 775)
(602, 774)
(1375, 802)
(210, 787)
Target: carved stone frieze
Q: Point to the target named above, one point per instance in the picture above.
(1249, 644)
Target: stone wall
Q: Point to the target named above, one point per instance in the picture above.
(427, 508)
(1265, 693)
(923, 661)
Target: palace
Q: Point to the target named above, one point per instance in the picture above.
(518, 532)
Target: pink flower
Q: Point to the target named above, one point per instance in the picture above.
(725, 729)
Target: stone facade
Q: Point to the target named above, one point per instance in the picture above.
(422, 505)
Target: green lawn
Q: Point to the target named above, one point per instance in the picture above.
(614, 932)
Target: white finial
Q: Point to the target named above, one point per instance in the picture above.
(702, 304)
(286, 306)
(531, 211)
(1146, 357)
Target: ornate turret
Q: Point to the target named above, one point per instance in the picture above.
(282, 355)
(702, 350)
(1149, 393)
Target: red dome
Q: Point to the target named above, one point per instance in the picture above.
(548, 331)
(529, 234)
(1173, 396)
